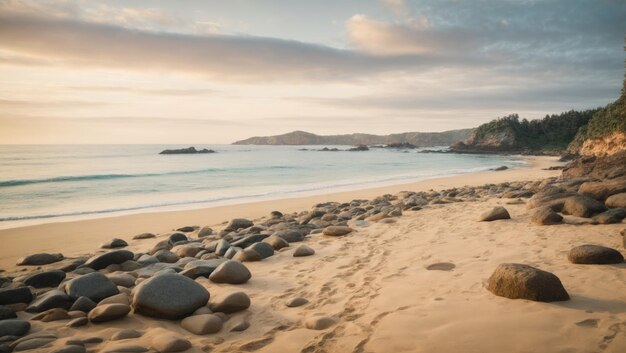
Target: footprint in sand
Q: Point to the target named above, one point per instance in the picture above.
(588, 323)
(441, 266)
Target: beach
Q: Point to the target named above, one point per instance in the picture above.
(415, 282)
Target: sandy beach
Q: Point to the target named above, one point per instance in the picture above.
(415, 283)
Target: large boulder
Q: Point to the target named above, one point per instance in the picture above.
(594, 254)
(337, 230)
(231, 303)
(169, 296)
(552, 197)
(15, 295)
(39, 259)
(494, 214)
(603, 189)
(616, 201)
(582, 206)
(94, 286)
(45, 279)
(265, 250)
(232, 272)
(546, 216)
(614, 215)
(116, 257)
(518, 281)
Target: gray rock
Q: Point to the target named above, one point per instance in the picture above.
(70, 349)
(201, 268)
(319, 322)
(15, 295)
(126, 334)
(202, 324)
(232, 272)
(54, 314)
(169, 296)
(240, 326)
(264, 249)
(187, 229)
(14, 327)
(187, 250)
(39, 259)
(612, 216)
(52, 299)
(7, 313)
(239, 223)
(295, 302)
(303, 250)
(249, 240)
(231, 303)
(276, 242)
(594, 254)
(122, 279)
(177, 238)
(518, 281)
(45, 279)
(101, 261)
(546, 216)
(114, 243)
(121, 298)
(337, 230)
(33, 344)
(582, 206)
(83, 304)
(108, 312)
(94, 286)
(166, 256)
(290, 235)
(205, 232)
(144, 236)
(169, 343)
(221, 247)
(496, 213)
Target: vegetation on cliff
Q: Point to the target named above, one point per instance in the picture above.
(605, 122)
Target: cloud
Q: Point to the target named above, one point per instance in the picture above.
(399, 7)
(147, 91)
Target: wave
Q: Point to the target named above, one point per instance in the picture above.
(95, 177)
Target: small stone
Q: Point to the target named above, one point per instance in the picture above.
(202, 324)
(290, 235)
(39, 259)
(83, 304)
(594, 254)
(94, 286)
(337, 230)
(121, 298)
(54, 314)
(319, 322)
(518, 281)
(122, 279)
(45, 279)
(78, 322)
(239, 223)
(297, 301)
(144, 236)
(169, 343)
(186, 229)
(33, 344)
(232, 272)
(248, 255)
(101, 261)
(108, 312)
(231, 303)
(276, 242)
(240, 326)
(125, 334)
(114, 243)
(494, 214)
(303, 250)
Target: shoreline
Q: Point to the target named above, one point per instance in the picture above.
(81, 236)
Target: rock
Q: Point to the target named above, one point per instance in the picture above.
(45, 279)
(33, 344)
(582, 206)
(297, 301)
(495, 214)
(232, 272)
(176, 238)
(337, 230)
(169, 296)
(545, 216)
(78, 322)
(108, 312)
(201, 268)
(187, 229)
(612, 216)
(501, 168)
(169, 342)
(94, 286)
(240, 326)
(554, 200)
(54, 314)
(188, 150)
(289, 235)
(14, 327)
(114, 243)
(101, 261)
(70, 349)
(231, 303)
(594, 254)
(166, 256)
(7, 313)
(276, 242)
(264, 249)
(39, 259)
(15, 295)
(205, 232)
(603, 189)
(121, 298)
(616, 201)
(187, 250)
(249, 240)
(247, 255)
(319, 322)
(144, 236)
(51, 299)
(239, 223)
(122, 279)
(83, 304)
(303, 250)
(276, 215)
(518, 281)
(125, 334)
(202, 324)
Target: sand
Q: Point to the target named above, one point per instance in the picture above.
(376, 283)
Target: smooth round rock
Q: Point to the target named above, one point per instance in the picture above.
(248, 255)
(108, 312)
(232, 272)
(14, 327)
(169, 296)
(78, 322)
(114, 257)
(264, 249)
(7, 313)
(546, 216)
(15, 295)
(495, 214)
(518, 281)
(202, 324)
(125, 334)
(39, 259)
(590, 254)
(231, 303)
(114, 244)
(337, 231)
(83, 304)
(319, 322)
(290, 235)
(94, 286)
(303, 250)
(297, 301)
(45, 279)
(276, 242)
(169, 343)
(239, 223)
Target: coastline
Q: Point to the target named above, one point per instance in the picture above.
(80, 237)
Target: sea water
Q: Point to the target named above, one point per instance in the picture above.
(45, 183)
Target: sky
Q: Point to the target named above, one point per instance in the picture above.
(211, 72)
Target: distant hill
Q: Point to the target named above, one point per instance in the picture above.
(419, 139)
(509, 134)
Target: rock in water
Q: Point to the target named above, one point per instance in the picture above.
(495, 214)
(231, 303)
(101, 261)
(202, 324)
(39, 259)
(94, 286)
(337, 230)
(582, 206)
(594, 254)
(169, 296)
(108, 312)
(303, 250)
(518, 281)
(546, 216)
(232, 272)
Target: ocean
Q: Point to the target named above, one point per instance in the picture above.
(48, 183)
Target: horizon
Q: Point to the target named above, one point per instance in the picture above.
(207, 72)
